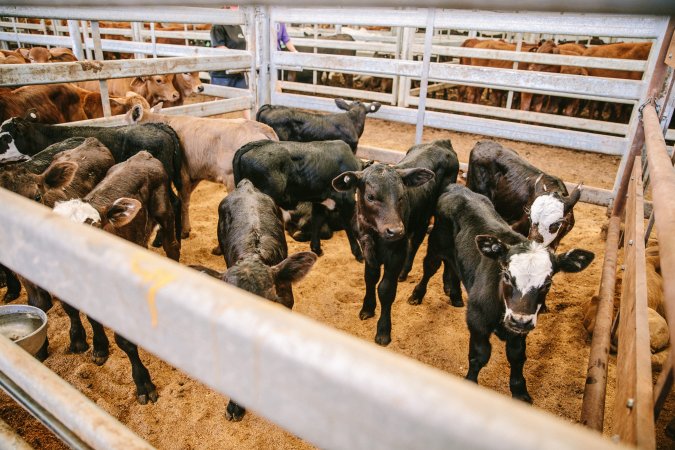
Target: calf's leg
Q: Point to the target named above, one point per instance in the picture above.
(386, 291)
(318, 218)
(479, 353)
(101, 344)
(371, 276)
(13, 285)
(451, 285)
(145, 390)
(78, 337)
(515, 353)
(413, 245)
(431, 264)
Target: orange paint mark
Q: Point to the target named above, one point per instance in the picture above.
(156, 279)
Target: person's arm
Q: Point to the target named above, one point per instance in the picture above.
(285, 38)
(290, 46)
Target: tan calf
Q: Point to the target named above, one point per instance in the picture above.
(155, 89)
(208, 148)
(187, 84)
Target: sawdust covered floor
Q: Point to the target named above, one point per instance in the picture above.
(189, 416)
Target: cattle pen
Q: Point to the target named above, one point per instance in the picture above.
(303, 376)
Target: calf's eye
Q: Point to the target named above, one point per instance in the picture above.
(370, 197)
(553, 228)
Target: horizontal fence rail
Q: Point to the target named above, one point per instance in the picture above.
(167, 14)
(304, 376)
(21, 74)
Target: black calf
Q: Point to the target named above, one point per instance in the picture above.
(506, 276)
(293, 172)
(393, 208)
(291, 124)
(252, 240)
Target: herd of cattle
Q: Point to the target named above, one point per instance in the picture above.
(70, 102)
(497, 236)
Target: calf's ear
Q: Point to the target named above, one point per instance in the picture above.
(491, 246)
(573, 198)
(138, 82)
(134, 115)
(59, 174)
(574, 260)
(122, 211)
(346, 181)
(342, 104)
(373, 107)
(416, 176)
(157, 108)
(295, 267)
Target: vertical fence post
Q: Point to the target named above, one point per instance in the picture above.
(76, 38)
(519, 46)
(85, 38)
(397, 55)
(272, 50)
(137, 36)
(424, 81)
(98, 54)
(252, 42)
(263, 50)
(406, 52)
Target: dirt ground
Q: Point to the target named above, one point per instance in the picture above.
(189, 416)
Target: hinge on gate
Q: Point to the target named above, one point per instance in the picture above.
(649, 101)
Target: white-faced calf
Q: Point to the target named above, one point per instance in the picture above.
(130, 201)
(506, 276)
(535, 204)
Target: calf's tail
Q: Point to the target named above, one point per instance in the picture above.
(261, 110)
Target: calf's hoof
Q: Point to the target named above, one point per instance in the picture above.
(525, 397)
(185, 234)
(147, 393)
(158, 241)
(318, 251)
(383, 339)
(11, 295)
(403, 276)
(99, 358)
(79, 346)
(415, 299)
(366, 314)
(456, 302)
(216, 251)
(234, 412)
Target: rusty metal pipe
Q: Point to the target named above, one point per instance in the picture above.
(593, 406)
(663, 192)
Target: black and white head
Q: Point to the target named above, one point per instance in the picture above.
(381, 196)
(13, 133)
(527, 270)
(551, 214)
(120, 213)
(254, 276)
(367, 108)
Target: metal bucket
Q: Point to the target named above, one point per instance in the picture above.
(24, 325)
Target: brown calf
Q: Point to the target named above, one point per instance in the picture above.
(129, 202)
(571, 49)
(208, 148)
(93, 106)
(187, 84)
(55, 103)
(44, 55)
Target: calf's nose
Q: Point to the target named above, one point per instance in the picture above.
(175, 96)
(522, 321)
(200, 88)
(393, 232)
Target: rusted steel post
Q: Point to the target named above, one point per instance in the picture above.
(593, 406)
(663, 192)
